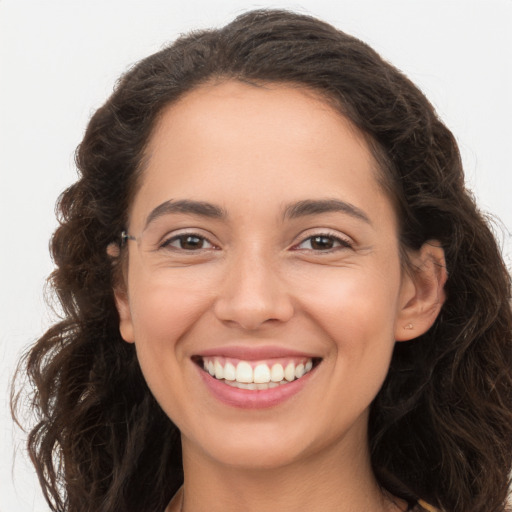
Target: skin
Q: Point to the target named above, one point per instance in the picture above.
(258, 281)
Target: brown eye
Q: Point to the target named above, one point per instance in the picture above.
(187, 242)
(320, 243)
(191, 242)
(323, 243)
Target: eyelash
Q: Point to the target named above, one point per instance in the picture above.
(166, 244)
(342, 243)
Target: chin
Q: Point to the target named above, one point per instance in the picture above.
(253, 448)
(254, 456)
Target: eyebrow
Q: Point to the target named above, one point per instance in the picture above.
(293, 211)
(317, 206)
(201, 208)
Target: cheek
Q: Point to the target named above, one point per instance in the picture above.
(162, 314)
(357, 311)
(164, 307)
(357, 299)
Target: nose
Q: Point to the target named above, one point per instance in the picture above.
(253, 294)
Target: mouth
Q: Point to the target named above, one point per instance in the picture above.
(256, 375)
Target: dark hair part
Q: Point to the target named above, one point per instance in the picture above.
(441, 426)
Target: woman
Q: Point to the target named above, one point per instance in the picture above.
(278, 293)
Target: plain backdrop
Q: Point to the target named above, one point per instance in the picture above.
(59, 61)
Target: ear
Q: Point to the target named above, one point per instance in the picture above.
(122, 302)
(125, 315)
(422, 291)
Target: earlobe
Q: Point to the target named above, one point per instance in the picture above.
(125, 316)
(422, 292)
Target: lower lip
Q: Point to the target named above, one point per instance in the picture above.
(253, 399)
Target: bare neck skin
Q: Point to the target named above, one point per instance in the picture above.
(337, 479)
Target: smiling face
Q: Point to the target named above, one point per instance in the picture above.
(264, 245)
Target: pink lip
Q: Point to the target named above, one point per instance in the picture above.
(251, 353)
(253, 399)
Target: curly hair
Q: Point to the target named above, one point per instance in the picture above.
(440, 427)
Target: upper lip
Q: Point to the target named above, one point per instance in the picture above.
(252, 353)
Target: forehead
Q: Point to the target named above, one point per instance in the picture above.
(275, 142)
(255, 108)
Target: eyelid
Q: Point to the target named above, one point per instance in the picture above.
(171, 236)
(345, 241)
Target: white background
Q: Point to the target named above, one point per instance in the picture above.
(59, 61)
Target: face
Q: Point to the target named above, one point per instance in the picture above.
(266, 252)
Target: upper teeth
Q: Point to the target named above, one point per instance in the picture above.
(258, 373)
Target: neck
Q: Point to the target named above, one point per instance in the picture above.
(336, 480)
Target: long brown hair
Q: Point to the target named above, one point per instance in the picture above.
(441, 426)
